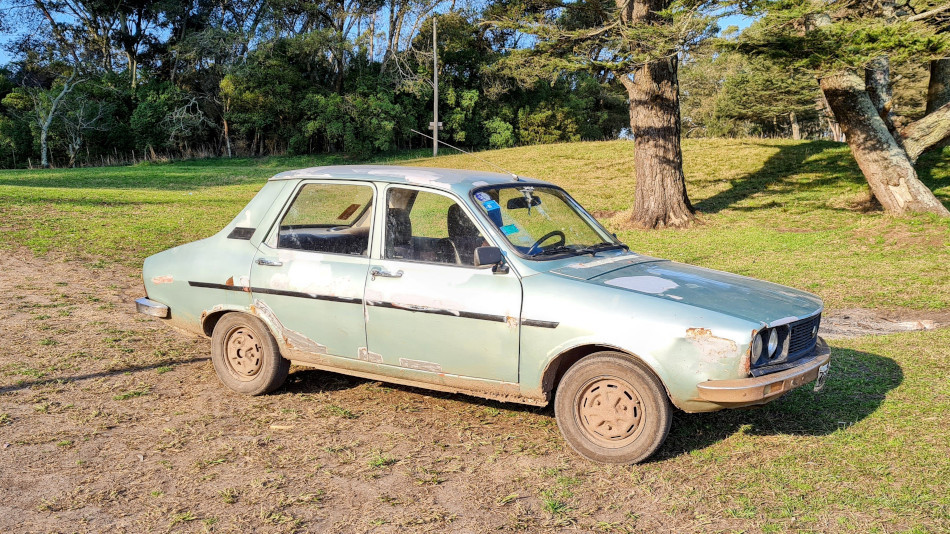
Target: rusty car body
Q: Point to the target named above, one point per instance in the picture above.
(487, 284)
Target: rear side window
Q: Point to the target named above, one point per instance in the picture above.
(333, 218)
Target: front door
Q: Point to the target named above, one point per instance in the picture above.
(308, 277)
(428, 307)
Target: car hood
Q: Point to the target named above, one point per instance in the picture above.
(739, 296)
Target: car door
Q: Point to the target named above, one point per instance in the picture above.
(309, 274)
(428, 307)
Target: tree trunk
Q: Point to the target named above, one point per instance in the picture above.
(938, 91)
(883, 161)
(926, 133)
(44, 158)
(796, 128)
(660, 198)
(227, 137)
(877, 80)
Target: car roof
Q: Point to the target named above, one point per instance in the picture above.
(456, 179)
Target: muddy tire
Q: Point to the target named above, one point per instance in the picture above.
(245, 355)
(612, 409)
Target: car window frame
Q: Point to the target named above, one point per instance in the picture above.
(271, 240)
(595, 224)
(446, 193)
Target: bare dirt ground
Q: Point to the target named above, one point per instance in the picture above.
(111, 421)
(856, 322)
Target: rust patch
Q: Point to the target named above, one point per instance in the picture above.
(167, 279)
(512, 321)
(229, 281)
(420, 365)
(711, 347)
(369, 356)
(293, 340)
(296, 340)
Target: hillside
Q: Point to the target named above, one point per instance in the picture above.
(791, 212)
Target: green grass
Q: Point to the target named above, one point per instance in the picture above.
(779, 210)
(131, 394)
(870, 448)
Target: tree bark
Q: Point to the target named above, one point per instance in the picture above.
(227, 137)
(660, 198)
(886, 166)
(938, 91)
(877, 80)
(926, 133)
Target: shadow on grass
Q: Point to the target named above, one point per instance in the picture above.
(820, 158)
(933, 168)
(26, 384)
(856, 386)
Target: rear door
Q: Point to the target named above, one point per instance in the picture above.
(428, 307)
(309, 274)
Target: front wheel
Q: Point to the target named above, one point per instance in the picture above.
(245, 355)
(612, 409)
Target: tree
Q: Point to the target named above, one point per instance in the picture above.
(83, 114)
(638, 43)
(850, 46)
(729, 94)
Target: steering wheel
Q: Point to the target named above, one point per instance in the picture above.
(555, 233)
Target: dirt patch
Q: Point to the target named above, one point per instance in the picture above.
(900, 238)
(111, 421)
(604, 214)
(856, 322)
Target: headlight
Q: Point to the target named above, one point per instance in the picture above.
(773, 342)
(757, 352)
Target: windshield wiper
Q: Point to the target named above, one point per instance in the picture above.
(556, 250)
(593, 249)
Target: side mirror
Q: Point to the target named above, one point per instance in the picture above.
(486, 256)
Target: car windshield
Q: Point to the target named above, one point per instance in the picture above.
(542, 222)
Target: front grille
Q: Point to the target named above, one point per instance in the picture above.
(801, 338)
(796, 342)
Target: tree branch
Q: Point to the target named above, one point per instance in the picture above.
(922, 135)
(928, 14)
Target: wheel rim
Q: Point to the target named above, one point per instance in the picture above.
(244, 353)
(609, 411)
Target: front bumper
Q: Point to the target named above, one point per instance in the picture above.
(760, 390)
(150, 307)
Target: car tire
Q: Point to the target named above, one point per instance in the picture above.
(245, 355)
(611, 408)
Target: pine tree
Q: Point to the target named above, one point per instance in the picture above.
(849, 46)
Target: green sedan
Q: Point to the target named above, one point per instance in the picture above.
(491, 285)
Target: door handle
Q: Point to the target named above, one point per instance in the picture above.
(269, 262)
(376, 271)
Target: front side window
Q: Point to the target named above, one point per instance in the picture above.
(334, 218)
(542, 222)
(429, 227)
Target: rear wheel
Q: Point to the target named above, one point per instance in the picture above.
(612, 409)
(245, 355)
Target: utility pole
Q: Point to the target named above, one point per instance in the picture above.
(435, 92)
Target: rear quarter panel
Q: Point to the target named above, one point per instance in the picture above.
(169, 276)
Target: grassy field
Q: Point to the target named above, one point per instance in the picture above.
(120, 424)
(789, 212)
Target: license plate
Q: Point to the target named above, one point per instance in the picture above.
(822, 375)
